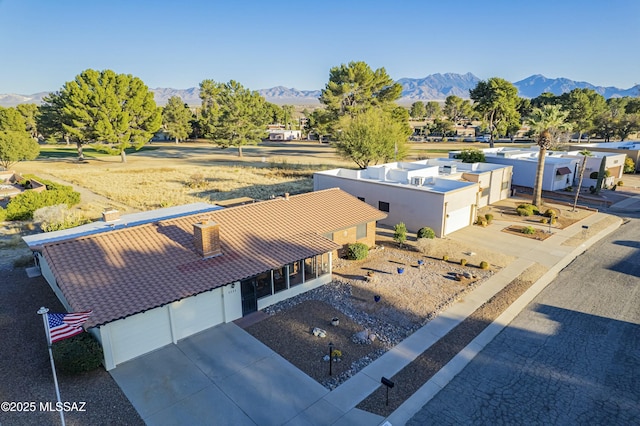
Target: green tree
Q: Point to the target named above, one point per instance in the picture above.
(371, 137)
(233, 115)
(29, 112)
(583, 106)
(112, 111)
(433, 109)
(287, 115)
(50, 118)
(176, 119)
(583, 165)
(355, 87)
(545, 122)
(471, 155)
(457, 109)
(443, 127)
(17, 146)
(497, 100)
(545, 98)
(400, 233)
(608, 122)
(11, 120)
(417, 110)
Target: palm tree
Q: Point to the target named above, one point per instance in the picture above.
(546, 122)
(585, 153)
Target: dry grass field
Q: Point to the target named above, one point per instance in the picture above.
(168, 174)
(174, 174)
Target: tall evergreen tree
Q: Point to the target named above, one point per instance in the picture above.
(233, 115)
(355, 87)
(497, 101)
(111, 111)
(176, 119)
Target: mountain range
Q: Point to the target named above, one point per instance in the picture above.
(433, 87)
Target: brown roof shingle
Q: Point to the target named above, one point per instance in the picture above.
(126, 271)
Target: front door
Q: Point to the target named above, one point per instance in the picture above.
(249, 296)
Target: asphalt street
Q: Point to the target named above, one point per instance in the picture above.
(571, 357)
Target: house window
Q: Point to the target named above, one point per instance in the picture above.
(263, 284)
(505, 185)
(295, 273)
(361, 231)
(279, 279)
(361, 199)
(310, 268)
(485, 192)
(383, 206)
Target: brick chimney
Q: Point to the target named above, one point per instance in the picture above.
(206, 237)
(110, 215)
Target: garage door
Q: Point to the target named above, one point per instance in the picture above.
(457, 219)
(139, 334)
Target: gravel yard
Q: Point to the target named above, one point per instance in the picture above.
(405, 303)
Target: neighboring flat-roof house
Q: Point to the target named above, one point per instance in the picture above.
(558, 174)
(441, 194)
(284, 135)
(151, 284)
(630, 149)
(561, 168)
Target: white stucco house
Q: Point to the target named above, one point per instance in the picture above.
(630, 149)
(561, 168)
(154, 278)
(558, 174)
(284, 135)
(439, 193)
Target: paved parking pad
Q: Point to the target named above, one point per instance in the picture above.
(220, 376)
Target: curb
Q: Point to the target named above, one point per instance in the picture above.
(439, 380)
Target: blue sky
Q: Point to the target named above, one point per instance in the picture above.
(261, 44)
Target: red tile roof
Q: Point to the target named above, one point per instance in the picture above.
(126, 271)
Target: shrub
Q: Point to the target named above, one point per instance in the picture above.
(426, 232)
(544, 220)
(424, 245)
(463, 262)
(196, 181)
(22, 206)
(620, 183)
(445, 258)
(23, 261)
(77, 354)
(400, 233)
(56, 218)
(484, 265)
(529, 230)
(357, 251)
(489, 217)
(569, 189)
(527, 210)
(551, 213)
(481, 221)
(3, 214)
(629, 165)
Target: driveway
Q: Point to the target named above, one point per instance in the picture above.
(221, 376)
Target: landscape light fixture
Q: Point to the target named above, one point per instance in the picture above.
(389, 384)
(330, 358)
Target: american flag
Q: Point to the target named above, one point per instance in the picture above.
(63, 326)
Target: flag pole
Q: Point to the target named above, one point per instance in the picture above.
(45, 318)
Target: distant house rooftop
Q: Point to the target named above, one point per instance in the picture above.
(125, 221)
